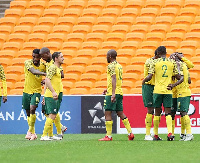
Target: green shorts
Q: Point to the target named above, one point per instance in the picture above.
(60, 99)
(147, 95)
(30, 99)
(0, 100)
(51, 105)
(113, 106)
(183, 104)
(174, 105)
(165, 99)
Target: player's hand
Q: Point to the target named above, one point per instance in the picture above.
(43, 82)
(43, 102)
(170, 86)
(43, 111)
(55, 96)
(113, 98)
(4, 99)
(104, 92)
(45, 74)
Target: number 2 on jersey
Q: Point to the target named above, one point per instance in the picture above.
(164, 68)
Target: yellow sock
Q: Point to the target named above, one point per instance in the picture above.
(173, 126)
(156, 121)
(58, 124)
(50, 133)
(182, 126)
(47, 126)
(169, 123)
(32, 123)
(109, 128)
(148, 122)
(28, 120)
(187, 124)
(127, 125)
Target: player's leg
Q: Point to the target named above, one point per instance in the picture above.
(167, 103)
(108, 106)
(26, 105)
(147, 94)
(184, 103)
(157, 100)
(51, 111)
(173, 113)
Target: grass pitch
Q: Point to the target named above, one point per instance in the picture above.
(86, 148)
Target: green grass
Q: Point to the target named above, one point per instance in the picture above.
(86, 148)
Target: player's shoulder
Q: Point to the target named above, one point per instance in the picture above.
(30, 61)
(1, 67)
(42, 64)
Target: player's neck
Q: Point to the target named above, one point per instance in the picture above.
(57, 64)
(113, 60)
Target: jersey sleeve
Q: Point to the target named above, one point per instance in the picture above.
(152, 68)
(188, 62)
(175, 69)
(28, 64)
(111, 69)
(3, 78)
(51, 72)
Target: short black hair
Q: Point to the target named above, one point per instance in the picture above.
(44, 50)
(155, 53)
(55, 55)
(36, 51)
(161, 50)
(112, 53)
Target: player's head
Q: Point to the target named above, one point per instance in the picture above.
(161, 51)
(111, 55)
(58, 57)
(45, 54)
(36, 57)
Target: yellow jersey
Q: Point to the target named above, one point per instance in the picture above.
(3, 79)
(114, 68)
(61, 85)
(146, 70)
(163, 69)
(33, 82)
(187, 62)
(54, 75)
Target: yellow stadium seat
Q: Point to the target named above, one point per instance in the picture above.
(188, 11)
(197, 52)
(19, 85)
(101, 84)
(84, 84)
(86, 20)
(102, 52)
(82, 61)
(17, 37)
(148, 20)
(138, 61)
(195, 69)
(169, 12)
(128, 53)
(153, 12)
(179, 28)
(192, 3)
(103, 77)
(18, 4)
(31, 45)
(36, 37)
(77, 37)
(106, 20)
(78, 91)
(98, 91)
(90, 45)
(91, 12)
(115, 4)
(163, 28)
(135, 4)
(174, 3)
(183, 20)
(99, 37)
(50, 21)
(5, 61)
(56, 37)
(23, 29)
(130, 45)
(24, 54)
(170, 44)
(16, 13)
(89, 77)
(57, 5)
(110, 45)
(16, 91)
(145, 53)
(101, 28)
(95, 69)
(14, 70)
(154, 3)
(71, 77)
(115, 36)
(138, 69)
(129, 12)
(42, 29)
(10, 86)
(71, 45)
(188, 53)
(70, 21)
(54, 46)
(52, 13)
(33, 13)
(5, 29)
(194, 28)
(77, 4)
(39, 4)
(61, 29)
(67, 85)
(155, 36)
(125, 90)
(125, 20)
(8, 21)
(168, 20)
(138, 84)
(195, 60)
(193, 36)
(149, 45)
(99, 61)
(189, 44)
(120, 28)
(3, 37)
(195, 90)
(28, 21)
(81, 29)
(136, 91)
(123, 61)
(174, 36)
(99, 4)
(89, 53)
(72, 12)
(77, 69)
(130, 77)
(113, 12)
(197, 83)
(143, 28)
(1, 45)
(13, 78)
(14, 46)
(127, 84)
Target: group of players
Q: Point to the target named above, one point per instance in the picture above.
(167, 83)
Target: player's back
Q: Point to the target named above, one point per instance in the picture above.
(147, 65)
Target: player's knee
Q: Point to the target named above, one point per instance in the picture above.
(183, 114)
(166, 114)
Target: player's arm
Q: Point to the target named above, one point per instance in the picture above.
(48, 84)
(148, 78)
(113, 87)
(62, 73)
(36, 72)
(185, 60)
(150, 73)
(3, 79)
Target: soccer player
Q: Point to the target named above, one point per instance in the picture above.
(3, 79)
(53, 82)
(147, 94)
(114, 96)
(46, 55)
(163, 69)
(34, 70)
(182, 101)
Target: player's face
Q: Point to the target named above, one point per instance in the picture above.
(108, 58)
(61, 58)
(46, 57)
(36, 59)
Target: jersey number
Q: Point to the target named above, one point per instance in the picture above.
(120, 73)
(164, 68)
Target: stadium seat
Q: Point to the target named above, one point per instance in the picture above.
(5, 29)
(115, 4)
(168, 20)
(130, 77)
(50, 21)
(127, 84)
(123, 61)
(113, 12)
(174, 36)
(71, 77)
(192, 3)
(154, 4)
(179, 28)
(133, 12)
(18, 4)
(134, 4)
(194, 28)
(15, 13)
(10, 86)
(110, 45)
(101, 84)
(188, 11)
(67, 85)
(89, 77)
(115, 36)
(82, 61)
(14, 70)
(195, 90)
(163, 28)
(149, 45)
(103, 77)
(91, 12)
(19, 85)
(144, 53)
(24, 54)
(139, 28)
(101, 29)
(13, 78)
(42, 29)
(197, 52)
(120, 28)
(71, 45)
(138, 69)
(98, 91)
(102, 52)
(14, 46)
(155, 36)
(61, 29)
(56, 37)
(193, 36)
(197, 83)
(23, 29)
(78, 91)
(70, 21)
(31, 45)
(77, 4)
(57, 5)
(145, 20)
(188, 53)
(125, 20)
(3, 37)
(130, 45)
(8, 21)
(99, 61)
(153, 12)
(5, 61)
(86, 20)
(54, 46)
(95, 69)
(184, 20)
(91, 45)
(77, 37)
(27, 21)
(106, 20)
(72, 12)
(99, 37)
(89, 53)
(52, 13)
(136, 91)
(170, 44)
(174, 3)
(189, 44)
(16, 37)
(138, 84)
(138, 61)
(195, 69)
(169, 12)
(99, 4)
(77, 69)
(36, 37)
(81, 29)
(195, 60)
(84, 84)
(36, 13)
(16, 91)
(37, 4)
(128, 53)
